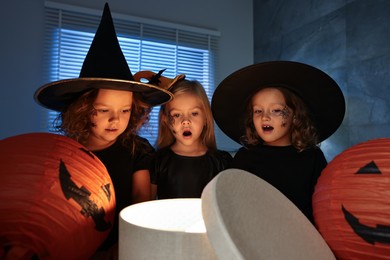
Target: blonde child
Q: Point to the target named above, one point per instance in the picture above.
(187, 157)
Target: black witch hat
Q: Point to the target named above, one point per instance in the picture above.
(104, 67)
(317, 89)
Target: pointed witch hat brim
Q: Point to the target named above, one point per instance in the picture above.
(317, 89)
(104, 67)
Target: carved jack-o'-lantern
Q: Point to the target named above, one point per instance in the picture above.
(351, 202)
(56, 198)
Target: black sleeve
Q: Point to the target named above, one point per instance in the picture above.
(319, 166)
(226, 158)
(241, 160)
(143, 154)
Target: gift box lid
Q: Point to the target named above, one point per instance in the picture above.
(239, 216)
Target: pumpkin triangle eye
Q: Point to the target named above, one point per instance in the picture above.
(369, 168)
(107, 191)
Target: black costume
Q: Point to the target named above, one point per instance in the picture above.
(105, 67)
(293, 173)
(178, 176)
(121, 165)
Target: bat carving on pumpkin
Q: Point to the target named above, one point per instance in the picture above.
(82, 197)
(56, 198)
(380, 233)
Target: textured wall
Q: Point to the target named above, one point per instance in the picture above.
(349, 40)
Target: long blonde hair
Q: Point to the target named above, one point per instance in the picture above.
(165, 136)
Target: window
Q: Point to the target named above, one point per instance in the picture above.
(146, 44)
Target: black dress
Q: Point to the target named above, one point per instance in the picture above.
(121, 164)
(178, 176)
(293, 173)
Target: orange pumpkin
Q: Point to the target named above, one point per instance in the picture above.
(56, 198)
(351, 202)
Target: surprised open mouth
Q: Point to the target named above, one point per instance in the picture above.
(187, 133)
(267, 128)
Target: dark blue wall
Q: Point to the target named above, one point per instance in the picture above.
(349, 40)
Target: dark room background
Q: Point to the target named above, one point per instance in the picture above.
(349, 40)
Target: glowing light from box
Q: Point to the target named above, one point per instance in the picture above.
(180, 215)
(164, 229)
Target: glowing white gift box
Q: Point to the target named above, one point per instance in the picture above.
(164, 229)
(245, 218)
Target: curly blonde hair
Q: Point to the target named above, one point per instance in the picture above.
(304, 135)
(165, 136)
(76, 123)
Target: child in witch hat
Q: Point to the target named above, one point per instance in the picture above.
(283, 111)
(104, 108)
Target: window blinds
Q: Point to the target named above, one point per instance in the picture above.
(146, 44)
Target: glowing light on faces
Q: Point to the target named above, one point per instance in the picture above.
(110, 118)
(181, 117)
(272, 118)
(284, 113)
(187, 120)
